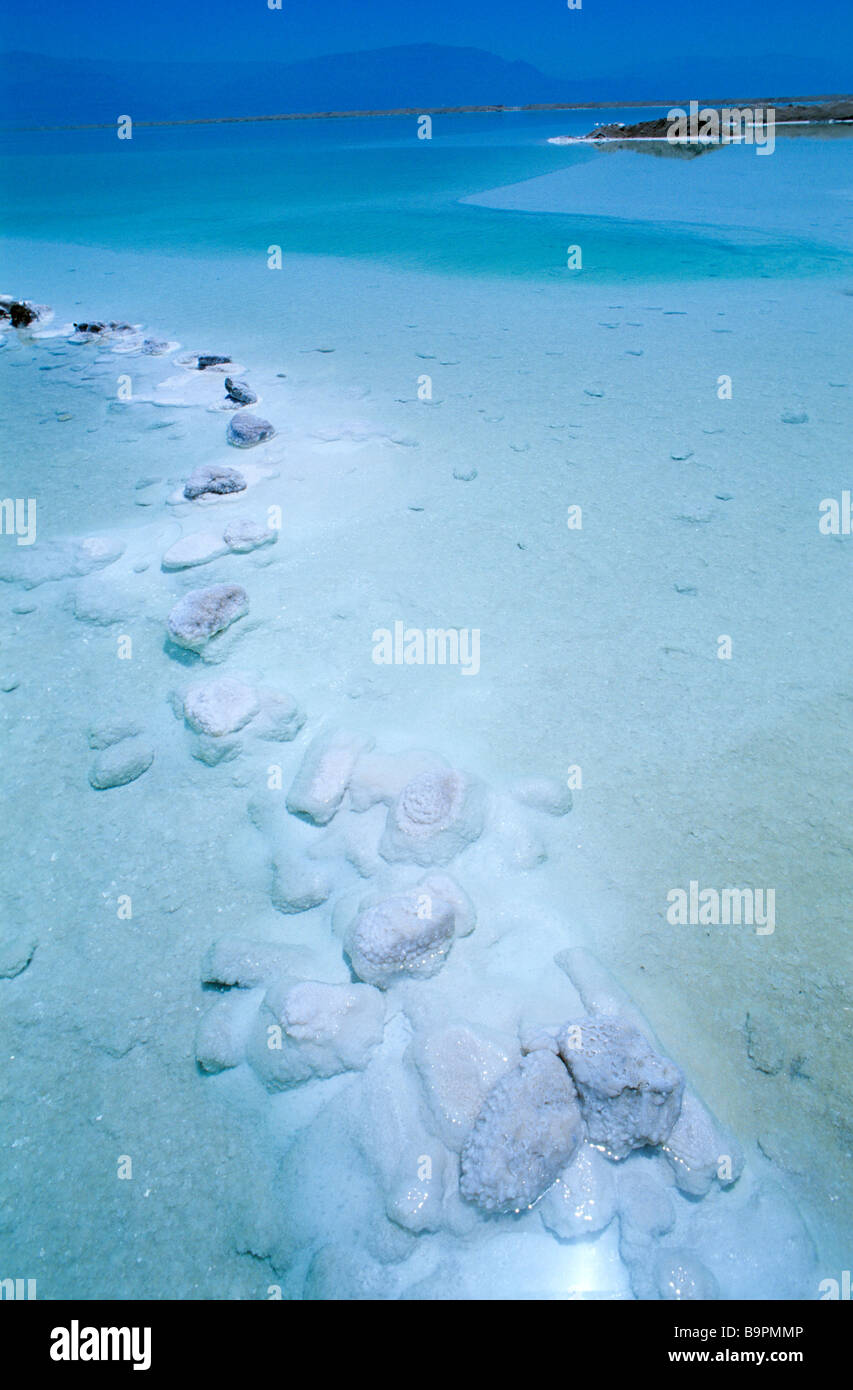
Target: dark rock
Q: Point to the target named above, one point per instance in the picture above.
(239, 391)
(21, 313)
(210, 359)
(244, 430)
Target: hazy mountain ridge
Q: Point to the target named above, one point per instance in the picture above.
(39, 90)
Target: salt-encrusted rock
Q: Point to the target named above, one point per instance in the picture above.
(121, 763)
(20, 312)
(681, 1277)
(245, 430)
(238, 391)
(244, 536)
(411, 1167)
(214, 478)
(407, 935)
(223, 1032)
(213, 751)
(202, 613)
(646, 1213)
(543, 794)
(236, 961)
(380, 777)
(280, 717)
(198, 549)
(110, 731)
(297, 883)
(220, 707)
(458, 1067)
(442, 886)
(599, 991)
(306, 1029)
(156, 347)
(539, 1037)
(319, 786)
(435, 816)
(116, 334)
(630, 1096)
(699, 1151)
(211, 359)
(583, 1199)
(50, 561)
(525, 1134)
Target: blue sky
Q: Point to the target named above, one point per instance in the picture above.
(603, 37)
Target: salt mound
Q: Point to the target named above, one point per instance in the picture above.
(526, 1133)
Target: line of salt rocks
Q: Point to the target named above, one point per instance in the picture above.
(585, 1089)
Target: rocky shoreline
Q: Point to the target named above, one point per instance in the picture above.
(823, 113)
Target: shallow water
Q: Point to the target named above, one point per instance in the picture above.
(598, 649)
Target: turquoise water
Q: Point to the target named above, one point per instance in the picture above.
(548, 388)
(359, 188)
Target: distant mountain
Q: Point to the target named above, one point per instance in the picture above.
(37, 90)
(40, 90)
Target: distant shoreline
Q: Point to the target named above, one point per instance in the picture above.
(823, 111)
(441, 111)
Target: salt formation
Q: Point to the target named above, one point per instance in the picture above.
(583, 1199)
(296, 882)
(306, 1029)
(416, 1175)
(407, 935)
(240, 537)
(699, 1151)
(245, 430)
(630, 1096)
(202, 613)
(244, 535)
(220, 707)
(55, 560)
(457, 1067)
(214, 478)
(239, 392)
(380, 777)
(543, 794)
(526, 1133)
(280, 717)
(197, 549)
(217, 710)
(435, 816)
(319, 786)
(121, 762)
(298, 1030)
(646, 1214)
(680, 1277)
